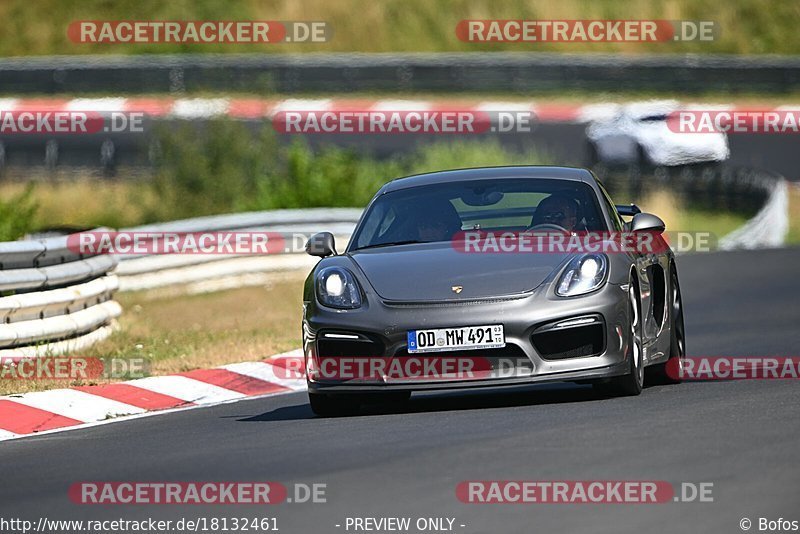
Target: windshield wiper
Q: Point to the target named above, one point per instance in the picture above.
(391, 244)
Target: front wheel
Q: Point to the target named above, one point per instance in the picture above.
(670, 372)
(632, 382)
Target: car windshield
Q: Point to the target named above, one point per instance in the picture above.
(436, 212)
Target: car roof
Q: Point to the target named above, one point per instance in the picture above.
(484, 173)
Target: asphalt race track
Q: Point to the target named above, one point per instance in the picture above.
(739, 435)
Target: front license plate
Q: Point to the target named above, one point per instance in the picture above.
(461, 338)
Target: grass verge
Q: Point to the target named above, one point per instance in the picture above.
(745, 26)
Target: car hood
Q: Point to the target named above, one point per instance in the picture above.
(428, 272)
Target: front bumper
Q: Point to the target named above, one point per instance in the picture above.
(379, 329)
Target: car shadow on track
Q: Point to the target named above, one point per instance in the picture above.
(506, 397)
(284, 413)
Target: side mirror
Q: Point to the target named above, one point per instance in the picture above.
(647, 222)
(322, 245)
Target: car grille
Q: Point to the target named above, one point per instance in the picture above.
(362, 346)
(505, 362)
(572, 342)
(450, 303)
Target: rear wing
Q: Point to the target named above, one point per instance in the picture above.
(628, 210)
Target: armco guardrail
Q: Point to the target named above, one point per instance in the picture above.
(434, 72)
(54, 300)
(217, 271)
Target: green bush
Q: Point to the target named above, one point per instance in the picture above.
(229, 168)
(17, 214)
(209, 171)
(465, 154)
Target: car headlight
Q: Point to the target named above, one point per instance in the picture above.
(337, 288)
(583, 274)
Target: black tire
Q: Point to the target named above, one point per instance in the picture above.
(669, 372)
(632, 382)
(325, 405)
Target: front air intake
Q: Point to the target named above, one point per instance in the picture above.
(574, 338)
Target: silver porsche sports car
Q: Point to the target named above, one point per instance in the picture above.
(488, 277)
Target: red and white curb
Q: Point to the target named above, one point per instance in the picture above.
(253, 108)
(64, 409)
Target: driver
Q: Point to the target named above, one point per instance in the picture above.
(437, 222)
(558, 209)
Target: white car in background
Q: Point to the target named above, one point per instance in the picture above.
(638, 134)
